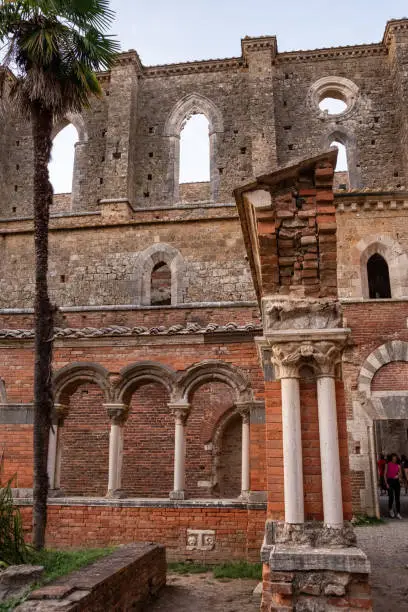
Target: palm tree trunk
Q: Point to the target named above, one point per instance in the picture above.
(42, 121)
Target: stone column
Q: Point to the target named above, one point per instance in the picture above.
(54, 446)
(52, 455)
(245, 412)
(117, 414)
(286, 359)
(180, 412)
(329, 448)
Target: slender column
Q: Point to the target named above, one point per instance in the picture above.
(54, 446)
(245, 411)
(180, 412)
(329, 451)
(52, 455)
(292, 447)
(117, 414)
(372, 451)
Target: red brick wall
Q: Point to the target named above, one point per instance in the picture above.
(148, 455)
(258, 457)
(238, 532)
(274, 450)
(16, 454)
(311, 450)
(84, 440)
(231, 459)
(391, 377)
(208, 403)
(312, 474)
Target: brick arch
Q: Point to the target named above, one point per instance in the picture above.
(396, 350)
(71, 376)
(394, 255)
(148, 259)
(210, 371)
(142, 373)
(192, 104)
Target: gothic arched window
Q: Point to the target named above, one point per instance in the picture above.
(160, 285)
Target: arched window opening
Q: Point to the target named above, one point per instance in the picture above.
(379, 286)
(61, 167)
(195, 150)
(160, 287)
(342, 164)
(333, 105)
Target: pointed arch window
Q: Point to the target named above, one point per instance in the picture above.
(193, 126)
(61, 167)
(378, 274)
(160, 285)
(195, 150)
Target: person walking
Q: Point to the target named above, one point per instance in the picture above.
(392, 480)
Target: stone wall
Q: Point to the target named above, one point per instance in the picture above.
(203, 249)
(263, 111)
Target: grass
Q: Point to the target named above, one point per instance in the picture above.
(231, 571)
(363, 520)
(58, 563)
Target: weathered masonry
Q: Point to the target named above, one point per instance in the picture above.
(166, 399)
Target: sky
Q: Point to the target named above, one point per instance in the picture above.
(163, 32)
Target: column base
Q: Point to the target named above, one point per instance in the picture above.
(303, 578)
(312, 567)
(177, 495)
(116, 494)
(245, 496)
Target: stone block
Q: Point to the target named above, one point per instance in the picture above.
(292, 558)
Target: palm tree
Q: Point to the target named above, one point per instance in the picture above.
(52, 50)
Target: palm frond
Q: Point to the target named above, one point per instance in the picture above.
(55, 48)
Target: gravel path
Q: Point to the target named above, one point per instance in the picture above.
(203, 593)
(387, 548)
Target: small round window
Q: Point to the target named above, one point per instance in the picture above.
(332, 106)
(333, 96)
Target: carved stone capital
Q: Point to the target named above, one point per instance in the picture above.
(60, 413)
(321, 355)
(117, 413)
(180, 411)
(244, 409)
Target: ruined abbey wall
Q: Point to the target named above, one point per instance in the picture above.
(128, 214)
(263, 113)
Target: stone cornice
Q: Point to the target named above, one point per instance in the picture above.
(394, 25)
(215, 65)
(120, 331)
(371, 201)
(330, 53)
(250, 44)
(259, 44)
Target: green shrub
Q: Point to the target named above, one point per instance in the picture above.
(13, 549)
